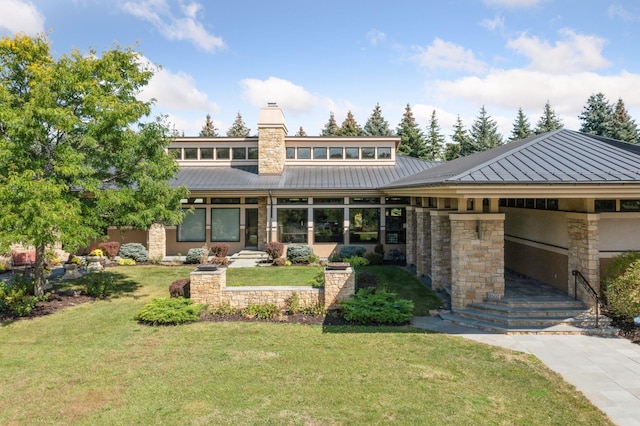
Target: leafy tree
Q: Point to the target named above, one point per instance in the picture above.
(484, 132)
(597, 116)
(376, 124)
(238, 129)
(462, 144)
(70, 162)
(624, 127)
(521, 127)
(412, 142)
(301, 132)
(434, 139)
(331, 128)
(209, 130)
(549, 121)
(350, 127)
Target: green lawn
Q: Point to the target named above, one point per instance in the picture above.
(274, 275)
(92, 364)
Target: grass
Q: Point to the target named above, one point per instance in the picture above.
(94, 365)
(272, 275)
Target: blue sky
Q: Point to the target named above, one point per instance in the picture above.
(314, 57)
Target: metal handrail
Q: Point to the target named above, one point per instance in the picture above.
(586, 286)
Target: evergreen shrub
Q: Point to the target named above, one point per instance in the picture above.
(195, 255)
(623, 292)
(169, 311)
(135, 251)
(351, 251)
(356, 261)
(368, 306)
(299, 253)
(374, 258)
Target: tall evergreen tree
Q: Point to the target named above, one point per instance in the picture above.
(350, 127)
(434, 139)
(331, 128)
(624, 127)
(521, 127)
(597, 116)
(549, 121)
(451, 151)
(412, 141)
(238, 129)
(376, 125)
(462, 144)
(484, 132)
(209, 130)
(301, 132)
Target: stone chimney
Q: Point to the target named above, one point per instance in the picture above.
(272, 129)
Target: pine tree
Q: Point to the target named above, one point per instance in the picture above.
(521, 127)
(434, 139)
(301, 132)
(376, 124)
(597, 116)
(624, 127)
(331, 128)
(484, 132)
(209, 130)
(549, 121)
(462, 144)
(412, 141)
(238, 129)
(350, 127)
(451, 151)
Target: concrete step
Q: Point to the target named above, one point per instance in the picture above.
(250, 254)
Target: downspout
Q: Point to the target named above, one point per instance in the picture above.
(270, 217)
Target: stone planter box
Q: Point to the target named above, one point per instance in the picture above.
(71, 271)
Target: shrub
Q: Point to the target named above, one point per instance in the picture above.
(374, 258)
(366, 280)
(220, 249)
(274, 249)
(379, 249)
(623, 292)
(180, 288)
(99, 284)
(195, 255)
(317, 280)
(356, 261)
(381, 307)
(51, 258)
(351, 251)
(280, 261)
(135, 251)
(293, 303)
(110, 248)
(126, 262)
(264, 311)
(225, 309)
(169, 311)
(222, 261)
(299, 253)
(17, 297)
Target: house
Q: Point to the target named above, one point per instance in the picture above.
(543, 206)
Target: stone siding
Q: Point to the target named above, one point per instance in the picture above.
(271, 147)
(440, 249)
(262, 222)
(157, 241)
(584, 252)
(411, 242)
(423, 242)
(338, 285)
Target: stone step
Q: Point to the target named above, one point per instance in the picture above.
(545, 310)
(250, 254)
(537, 319)
(538, 302)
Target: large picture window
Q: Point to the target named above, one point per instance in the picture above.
(327, 225)
(364, 225)
(395, 221)
(192, 227)
(225, 224)
(292, 225)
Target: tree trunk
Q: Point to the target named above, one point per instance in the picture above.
(38, 283)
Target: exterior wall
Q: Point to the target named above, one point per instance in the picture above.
(584, 253)
(127, 236)
(543, 263)
(477, 258)
(174, 247)
(423, 241)
(440, 249)
(619, 232)
(411, 236)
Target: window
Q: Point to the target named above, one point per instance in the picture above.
(364, 225)
(176, 152)
(221, 200)
(304, 153)
(529, 203)
(239, 153)
(225, 224)
(552, 204)
(351, 153)
(605, 205)
(364, 200)
(321, 200)
(292, 225)
(222, 153)
(191, 153)
(319, 153)
(192, 227)
(384, 153)
(291, 153)
(327, 225)
(335, 153)
(368, 153)
(193, 200)
(397, 200)
(251, 201)
(252, 153)
(395, 224)
(629, 205)
(293, 200)
(206, 153)
(541, 203)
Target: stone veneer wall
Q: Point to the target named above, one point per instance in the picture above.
(423, 243)
(262, 222)
(411, 241)
(157, 241)
(272, 151)
(477, 258)
(440, 249)
(584, 252)
(209, 287)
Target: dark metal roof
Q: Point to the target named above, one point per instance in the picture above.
(299, 177)
(561, 156)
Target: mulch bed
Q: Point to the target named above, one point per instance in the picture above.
(56, 301)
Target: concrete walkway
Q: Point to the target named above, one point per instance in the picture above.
(605, 370)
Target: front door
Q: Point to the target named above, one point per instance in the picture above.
(251, 228)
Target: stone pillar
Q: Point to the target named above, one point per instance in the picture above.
(272, 130)
(338, 285)
(440, 249)
(206, 286)
(262, 222)
(477, 258)
(411, 235)
(157, 241)
(584, 252)
(423, 241)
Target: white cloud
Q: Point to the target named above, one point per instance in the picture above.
(496, 23)
(180, 25)
(449, 56)
(512, 4)
(376, 36)
(617, 11)
(21, 16)
(290, 97)
(575, 53)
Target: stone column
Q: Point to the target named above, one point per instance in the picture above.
(584, 252)
(477, 257)
(206, 286)
(411, 235)
(440, 249)
(262, 222)
(157, 241)
(338, 285)
(272, 130)
(423, 241)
